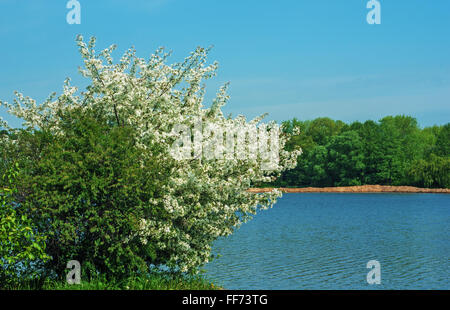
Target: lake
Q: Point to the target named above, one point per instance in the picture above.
(324, 241)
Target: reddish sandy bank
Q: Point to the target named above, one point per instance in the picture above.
(356, 189)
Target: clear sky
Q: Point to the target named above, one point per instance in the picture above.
(296, 58)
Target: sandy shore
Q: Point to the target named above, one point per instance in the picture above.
(356, 189)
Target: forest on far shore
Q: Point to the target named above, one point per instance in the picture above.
(393, 151)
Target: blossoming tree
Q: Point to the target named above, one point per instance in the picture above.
(203, 198)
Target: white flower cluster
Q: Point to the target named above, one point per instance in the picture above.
(205, 197)
(228, 140)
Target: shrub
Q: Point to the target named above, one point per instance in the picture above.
(98, 184)
(22, 249)
(88, 191)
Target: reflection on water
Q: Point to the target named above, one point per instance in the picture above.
(324, 241)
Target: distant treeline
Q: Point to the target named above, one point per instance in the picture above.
(392, 151)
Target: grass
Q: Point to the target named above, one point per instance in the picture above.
(154, 281)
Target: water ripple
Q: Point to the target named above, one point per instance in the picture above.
(324, 241)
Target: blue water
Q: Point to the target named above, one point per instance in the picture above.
(324, 241)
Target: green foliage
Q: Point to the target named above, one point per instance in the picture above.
(88, 188)
(399, 139)
(22, 249)
(152, 281)
(345, 159)
(433, 172)
(393, 151)
(322, 129)
(442, 147)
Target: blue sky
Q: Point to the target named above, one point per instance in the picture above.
(296, 58)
